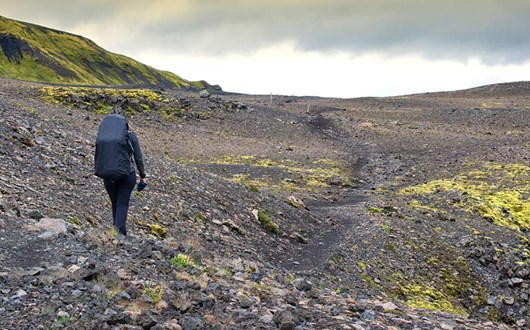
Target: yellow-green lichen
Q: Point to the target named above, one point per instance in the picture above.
(498, 193)
(442, 280)
(265, 172)
(374, 209)
(427, 208)
(157, 230)
(426, 297)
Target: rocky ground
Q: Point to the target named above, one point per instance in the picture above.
(293, 213)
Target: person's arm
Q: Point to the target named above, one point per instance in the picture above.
(138, 158)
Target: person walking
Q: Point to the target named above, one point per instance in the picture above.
(117, 151)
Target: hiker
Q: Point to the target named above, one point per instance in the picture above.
(116, 147)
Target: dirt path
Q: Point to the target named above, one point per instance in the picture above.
(340, 222)
(342, 215)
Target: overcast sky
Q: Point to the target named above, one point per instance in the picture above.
(334, 48)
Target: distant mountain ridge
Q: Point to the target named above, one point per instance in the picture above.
(36, 53)
(506, 89)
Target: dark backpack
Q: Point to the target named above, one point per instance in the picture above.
(112, 160)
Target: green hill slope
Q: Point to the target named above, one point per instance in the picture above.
(36, 53)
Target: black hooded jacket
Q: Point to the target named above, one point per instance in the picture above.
(137, 154)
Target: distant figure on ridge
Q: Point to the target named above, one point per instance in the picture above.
(116, 147)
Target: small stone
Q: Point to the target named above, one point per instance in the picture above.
(244, 301)
(389, 306)
(56, 226)
(124, 295)
(295, 202)
(97, 288)
(368, 315)
(192, 323)
(172, 325)
(516, 281)
(278, 292)
(303, 285)
(47, 235)
(73, 268)
(287, 325)
(204, 94)
(446, 326)
(521, 323)
(19, 294)
(82, 260)
(123, 274)
(498, 303)
(77, 293)
(34, 271)
(285, 319)
(40, 140)
(147, 320)
(298, 237)
(523, 272)
(491, 300)
(110, 311)
(35, 214)
(509, 300)
(266, 319)
(63, 314)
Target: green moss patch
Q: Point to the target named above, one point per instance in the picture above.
(182, 261)
(266, 221)
(157, 230)
(131, 101)
(446, 283)
(284, 175)
(498, 193)
(426, 297)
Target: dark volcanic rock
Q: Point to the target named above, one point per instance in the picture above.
(198, 258)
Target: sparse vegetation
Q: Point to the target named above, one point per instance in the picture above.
(264, 218)
(200, 216)
(426, 297)
(496, 193)
(298, 177)
(75, 221)
(154, 293)
(376, 210)
(157, 230)
(182, 261)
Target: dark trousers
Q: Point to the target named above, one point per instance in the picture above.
(120, 193)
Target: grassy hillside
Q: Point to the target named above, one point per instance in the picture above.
(36, 53)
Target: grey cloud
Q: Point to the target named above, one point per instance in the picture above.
(59, 13)
(495, 31)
